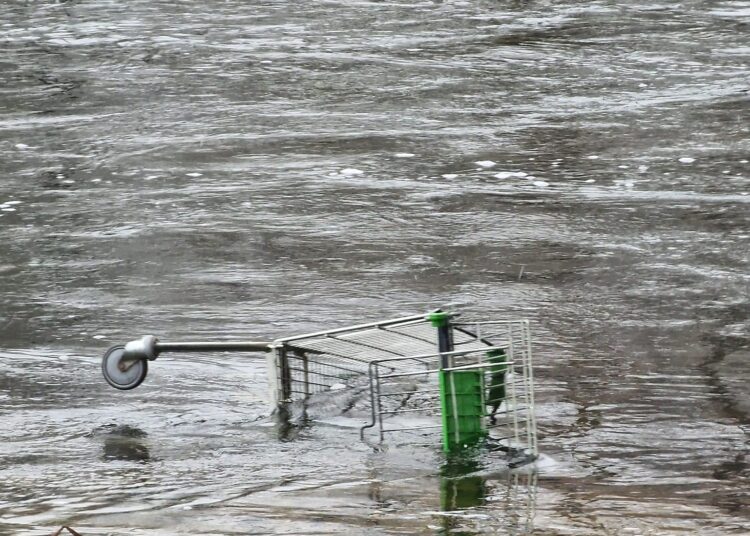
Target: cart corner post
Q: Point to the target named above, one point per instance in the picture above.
(462, 401)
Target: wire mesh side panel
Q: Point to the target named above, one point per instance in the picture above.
(306, 365)
(510, 388)
(314, 363)
(404, 395)
(301, 374)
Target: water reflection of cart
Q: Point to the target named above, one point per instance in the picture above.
(423, 374)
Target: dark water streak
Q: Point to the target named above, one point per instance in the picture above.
(242, 169)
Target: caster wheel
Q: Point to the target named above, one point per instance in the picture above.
(123, 375)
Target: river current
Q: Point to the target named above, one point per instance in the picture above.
(235, 169)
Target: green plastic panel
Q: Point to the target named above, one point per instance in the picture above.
(462, 406)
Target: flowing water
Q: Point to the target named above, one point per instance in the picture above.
(205, 169)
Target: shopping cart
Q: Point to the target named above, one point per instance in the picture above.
(471, 379)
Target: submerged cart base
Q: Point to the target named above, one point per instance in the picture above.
(424, 374)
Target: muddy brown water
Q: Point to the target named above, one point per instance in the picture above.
(261, 169)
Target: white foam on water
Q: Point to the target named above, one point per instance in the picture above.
(21, 146)
(642, 169)
(96, 180)
(686, 160)
(350, 172)
(510, 174)
(744, 161)
(485, 163)
(404, 155)
(68, 181)
(449, 176)
(590, 181)
(8, 209)
(541, 184)
(11, 203)
(623, 166)
(195, 174)
(593, 157)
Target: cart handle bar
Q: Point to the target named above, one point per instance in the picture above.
(149, 347)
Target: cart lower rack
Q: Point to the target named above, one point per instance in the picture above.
(423, 373)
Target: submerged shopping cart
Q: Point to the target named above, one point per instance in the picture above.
(471, 379)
